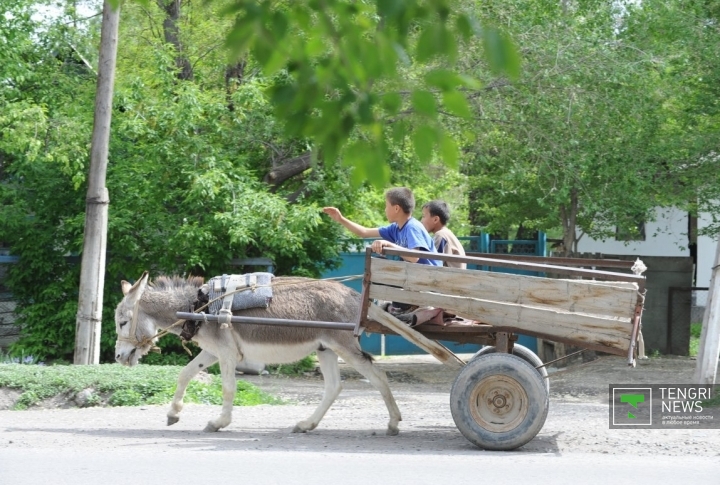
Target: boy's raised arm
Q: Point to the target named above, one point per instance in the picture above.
(355, 228)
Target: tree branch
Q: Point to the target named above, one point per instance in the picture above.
(290, 168)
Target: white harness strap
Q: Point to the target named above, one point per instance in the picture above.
(227, 285)
(133, 327)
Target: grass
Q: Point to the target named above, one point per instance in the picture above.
(308, 364)
(715, 401)
(695, 329)
(116, 385)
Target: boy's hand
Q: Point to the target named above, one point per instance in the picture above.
(334, 213)
(377, 246)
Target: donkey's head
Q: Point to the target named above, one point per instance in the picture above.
(135, 335)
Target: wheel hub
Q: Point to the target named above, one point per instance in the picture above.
(498, 403)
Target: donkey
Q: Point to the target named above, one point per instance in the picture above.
(150, 306)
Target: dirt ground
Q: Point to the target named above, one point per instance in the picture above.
(577, 420)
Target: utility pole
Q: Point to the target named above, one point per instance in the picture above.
(709, 350)
(92, 273)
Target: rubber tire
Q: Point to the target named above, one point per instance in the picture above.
(525, 354)
(490, 370)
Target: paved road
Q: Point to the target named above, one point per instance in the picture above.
(199, 465)
(133, 445)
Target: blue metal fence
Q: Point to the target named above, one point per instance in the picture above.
(353, 263)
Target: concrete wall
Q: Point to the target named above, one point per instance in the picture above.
(662, 274)
(8, 331)
(666, 236)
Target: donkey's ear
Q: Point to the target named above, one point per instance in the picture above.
(139, 286)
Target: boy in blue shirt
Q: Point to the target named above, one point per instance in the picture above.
(403, 232)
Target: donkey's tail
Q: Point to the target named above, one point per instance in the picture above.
(367, 356)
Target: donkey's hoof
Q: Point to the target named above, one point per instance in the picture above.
(172, 420)
(298, 429)
(392, 431)
(211, 428)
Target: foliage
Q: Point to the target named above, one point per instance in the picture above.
(592, 135)
(184, 177)
(342, 67)
(43, 143)
(615, 111)
(118, 385)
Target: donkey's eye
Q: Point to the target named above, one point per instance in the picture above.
(122, 324)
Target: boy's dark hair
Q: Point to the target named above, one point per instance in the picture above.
(438, 208)
(403, 197)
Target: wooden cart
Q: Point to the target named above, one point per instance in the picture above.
(500, 398)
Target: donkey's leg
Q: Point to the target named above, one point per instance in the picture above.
(331, 375)
(362, 363)
(229, 387)
(204, 360)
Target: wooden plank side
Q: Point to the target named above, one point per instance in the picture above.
(616, 284)
(568, 295)
(439, 351)
(580, 328)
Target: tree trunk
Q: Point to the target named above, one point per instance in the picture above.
(568, 216)
(236, 72)
(170, 30)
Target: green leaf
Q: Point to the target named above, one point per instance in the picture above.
(315, 46)
(275, 63)
(378, 172)
(442, 79)
(424, 139)
(279, 25)
(469, 81)
(364, 110)
(239, 38)
(367, 164)
(447, 43)
(427, 45)
(424, 103)
(465, 26)
(447, 80)
(399, 130)
(449, 151)
(501, 53)
(457, 104)
(391, 102)
(391, 8)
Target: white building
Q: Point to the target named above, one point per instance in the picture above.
(666, 236)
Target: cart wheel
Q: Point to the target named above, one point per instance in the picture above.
(525, 354)
(499, 401)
